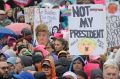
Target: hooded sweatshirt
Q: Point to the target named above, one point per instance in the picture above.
(53, 74)
(74, 59)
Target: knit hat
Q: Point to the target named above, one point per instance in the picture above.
(26, 61)
(69, 73)
(42, 49)
(36, 58)
(10, 53)
(57, 36)
(62, 54)
(40, 75)
(21, 47)
(24, 75)
(96, 73)
(26, 32)
(27, 53)
(11, 60)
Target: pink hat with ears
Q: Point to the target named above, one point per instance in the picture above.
(7, 7)
(58, 35)
(42, 49)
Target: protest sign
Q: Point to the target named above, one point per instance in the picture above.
(48, 16)
(29, 14)
(22, 3)
(87, 26)
(113, 25)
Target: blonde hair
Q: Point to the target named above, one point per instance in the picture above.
(42, 28)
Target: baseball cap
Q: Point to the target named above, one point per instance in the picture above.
(46, 63)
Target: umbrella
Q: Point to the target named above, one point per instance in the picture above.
(5, 31)
(18, 27)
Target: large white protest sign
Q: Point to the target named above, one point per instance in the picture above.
(48, 16)
(113, 25)
(87, 26)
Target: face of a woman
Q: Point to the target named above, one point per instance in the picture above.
(42, 38)
(22, 19)
(47, 70)
(9, 14)
(77, 65)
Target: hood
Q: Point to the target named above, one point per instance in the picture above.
(52, 66)
(75, 58)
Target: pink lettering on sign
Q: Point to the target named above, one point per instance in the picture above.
(99, 1)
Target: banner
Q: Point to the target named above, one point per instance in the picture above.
(113, 25)
(29, 14)
(22, 3)
(87, 26)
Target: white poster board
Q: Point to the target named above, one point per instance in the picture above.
(113, 25)
(87, 26)
(50, 17)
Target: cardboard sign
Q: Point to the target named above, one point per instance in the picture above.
(87, 26)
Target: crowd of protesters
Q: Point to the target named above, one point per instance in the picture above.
(50, 59)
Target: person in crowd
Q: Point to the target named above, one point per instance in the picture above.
(26, 32)
(26, 41)
(4, 70)
(81, 75)
(3, 57)
(96, 74)
(4, 21)
(23, 50)
(50, 48)
(113, 53)
(11, 43)
(110, 70)
(11, 63)
(9, 14)
(48, 67)
(42, 34)
(62, 54)
(60, 44)
(36, 60)
(20, 17)
(69, 2)
(40, 49)
(77, 64)
(22, 62)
